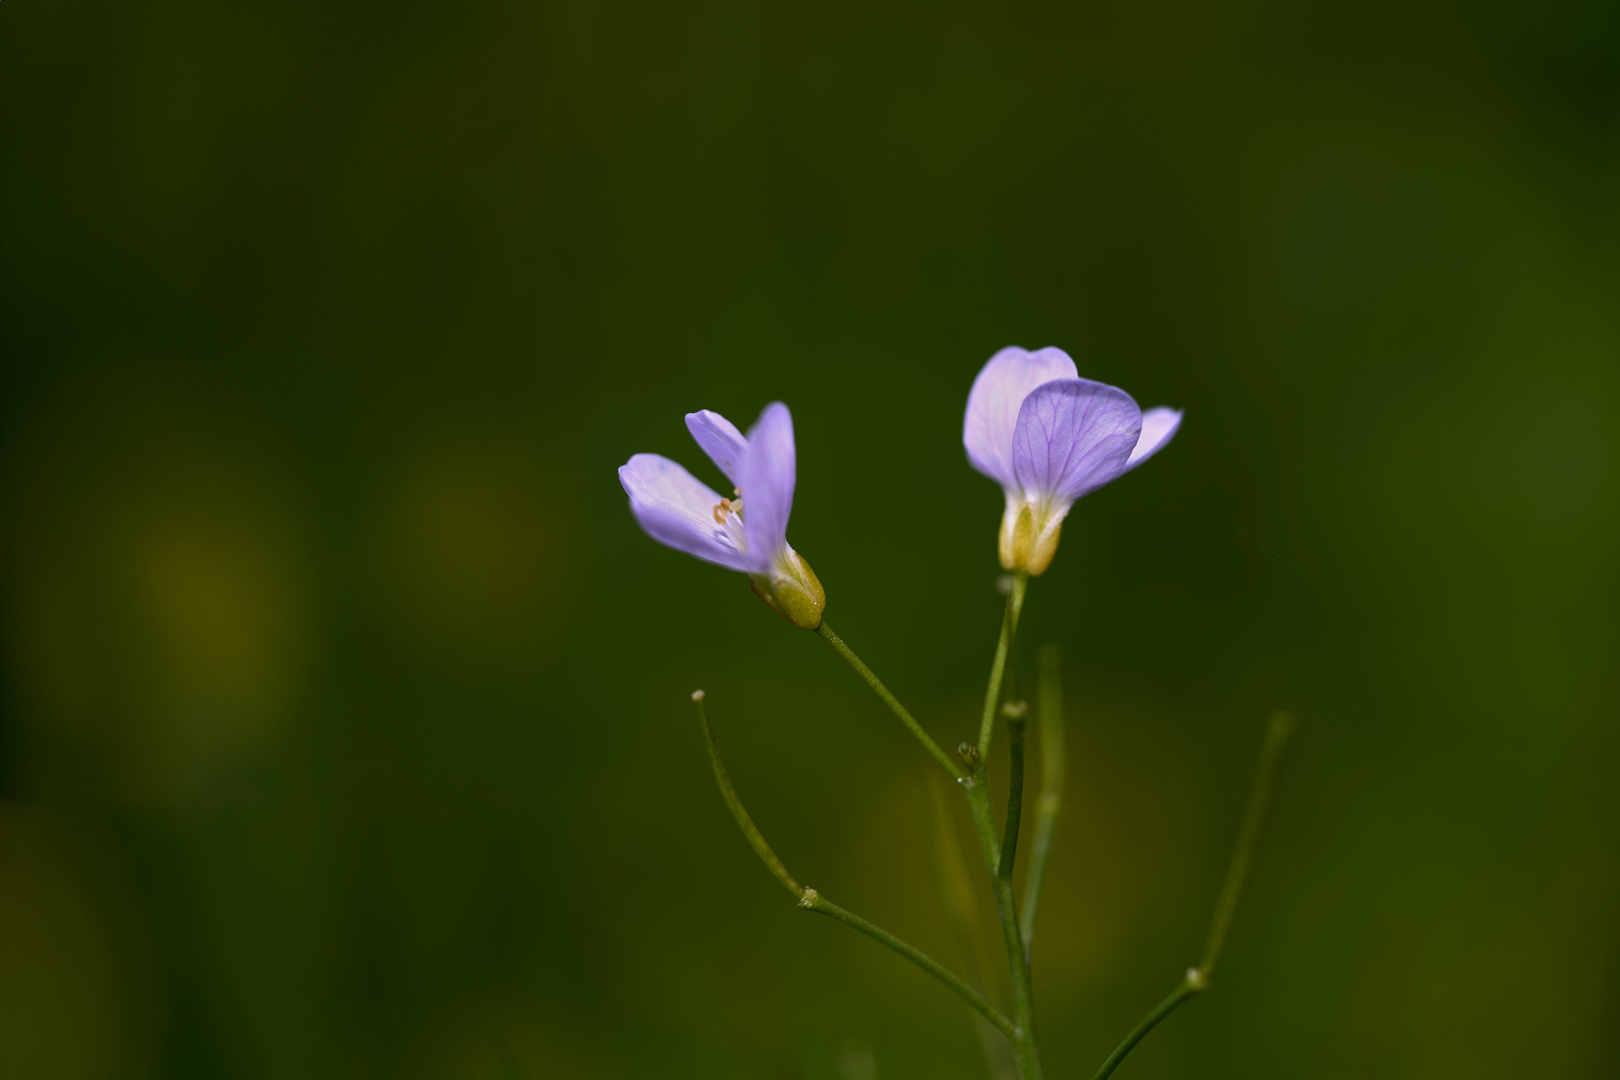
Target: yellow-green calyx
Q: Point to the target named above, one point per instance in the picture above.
(792, 590)
(1029, 535)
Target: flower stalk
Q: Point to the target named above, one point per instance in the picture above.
(998, 666)
(891, 701)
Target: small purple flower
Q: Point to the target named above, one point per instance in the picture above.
(1048, 437)
(681, 511)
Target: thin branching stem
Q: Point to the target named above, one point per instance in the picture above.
(1181, 993)
(1248, 843)
(814, 901)
(811, 900)
(1053, 764)
(973, 782)
(1197, 979)
(1015, 712)
(756, 839)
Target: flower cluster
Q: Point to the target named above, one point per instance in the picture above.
(1033, 425)
(1048, 437)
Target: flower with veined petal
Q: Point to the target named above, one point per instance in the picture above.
(681, 511)
(1048, 437)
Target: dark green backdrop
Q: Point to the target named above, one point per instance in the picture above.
(345, 727)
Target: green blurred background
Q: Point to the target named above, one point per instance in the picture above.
(345, 728)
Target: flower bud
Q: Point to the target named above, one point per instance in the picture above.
(970, 755)
(792, 590)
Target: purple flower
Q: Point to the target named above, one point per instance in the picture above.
(1048, 437)
(747, 531)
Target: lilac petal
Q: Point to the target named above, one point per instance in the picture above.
(1159, 426)
(768, 478)
(1073, 436)
(721, 440)
(677, 509)
(994, 401)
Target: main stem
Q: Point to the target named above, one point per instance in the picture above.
(956, 889)
(1025, 1051)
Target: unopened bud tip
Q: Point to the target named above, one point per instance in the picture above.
(697, 695)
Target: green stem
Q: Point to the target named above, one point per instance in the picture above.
(1248, 843)
(1051, 799)
(984, 823)
(882, 691)
(729, 793)
(1025, 1053)
(1197, 979)
(813, 901)
(1014, 711)
(998, 667)
(956, 890)
(1181, 993)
